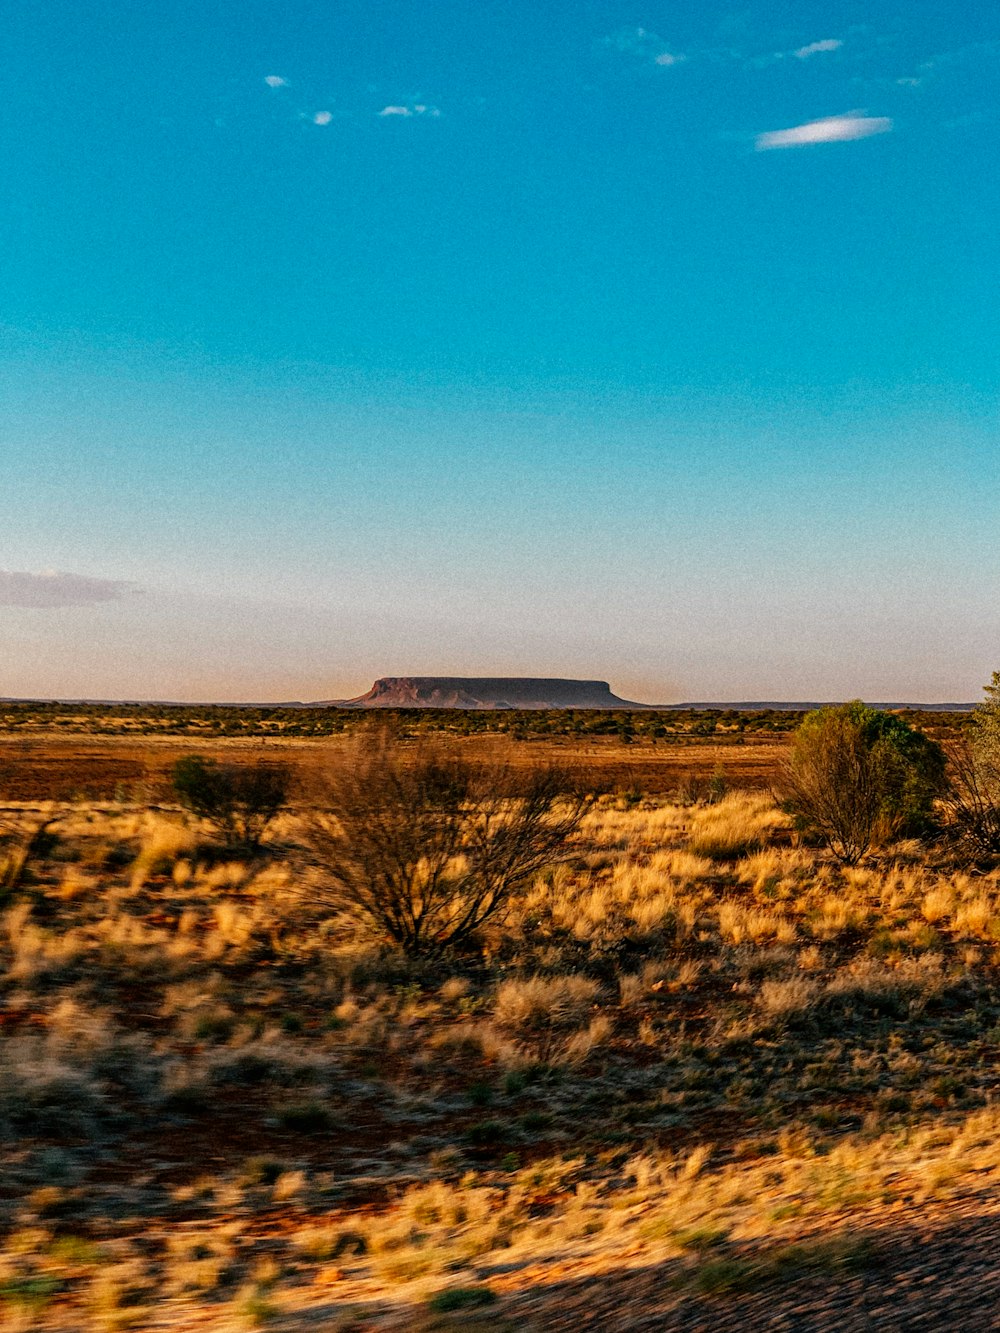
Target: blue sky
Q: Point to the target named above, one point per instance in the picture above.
(641, 341)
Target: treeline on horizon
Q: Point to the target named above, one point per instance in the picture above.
(233, 720)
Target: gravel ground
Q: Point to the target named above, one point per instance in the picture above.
(930, 1268)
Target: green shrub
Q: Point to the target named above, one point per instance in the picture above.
(240, 801)
(461, 1298)
(857, 776)
(310, 1117)
(973, 798)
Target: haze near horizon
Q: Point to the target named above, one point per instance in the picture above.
(651, 345)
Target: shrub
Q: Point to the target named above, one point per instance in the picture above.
(857, 776)
(16, 852)
(240, 801)
(461, 1298)
(986, 728)
(973, 798)
(428, 847)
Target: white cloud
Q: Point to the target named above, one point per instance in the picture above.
(800, 53)
(51, 589)
(322, 117)
(417, 109)
(832, 129)
(816, 48)
(275, 81)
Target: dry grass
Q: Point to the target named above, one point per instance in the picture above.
(739, 824)
(223, 1103)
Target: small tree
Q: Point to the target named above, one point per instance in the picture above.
(985, 740)
(857, 776)
(239, 800)
(428, 847)
(973, 798)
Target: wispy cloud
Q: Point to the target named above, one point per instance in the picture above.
(410, 110)
(275, 81)
(322, 117)
(52, 589)
(832, 129)
(818, 48)
(645, 44)
(823, 47)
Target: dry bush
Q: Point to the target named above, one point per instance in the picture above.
(430, 848)
(870, 982)
(738, 923)
(609, 826)
(635, 900)
(775, 870)
(62, 1079)
(268, 1059)
(539, 1002)
(972, 799)
(790, 998)
(836, 915)
(548, 1017)
(162, 842)
(938, 904)
(976, 917)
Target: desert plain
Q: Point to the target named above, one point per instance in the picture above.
(697, 1074)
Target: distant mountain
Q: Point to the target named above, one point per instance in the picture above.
(484, 692)
(488, 692)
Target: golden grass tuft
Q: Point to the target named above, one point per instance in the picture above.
(739, 824)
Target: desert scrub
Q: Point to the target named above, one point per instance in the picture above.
(857, 777)
(785, 1001)
(429, 848)
(548, 1017)
(829, 1029)
(73, 1074)
(739, 824)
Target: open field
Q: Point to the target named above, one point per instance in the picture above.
(700, 1076)
(43, 767)
(66, 752)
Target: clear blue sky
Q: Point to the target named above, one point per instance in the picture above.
(641, 341)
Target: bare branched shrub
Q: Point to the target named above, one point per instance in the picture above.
(429, 847)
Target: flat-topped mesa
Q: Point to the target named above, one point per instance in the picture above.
(485, 692)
